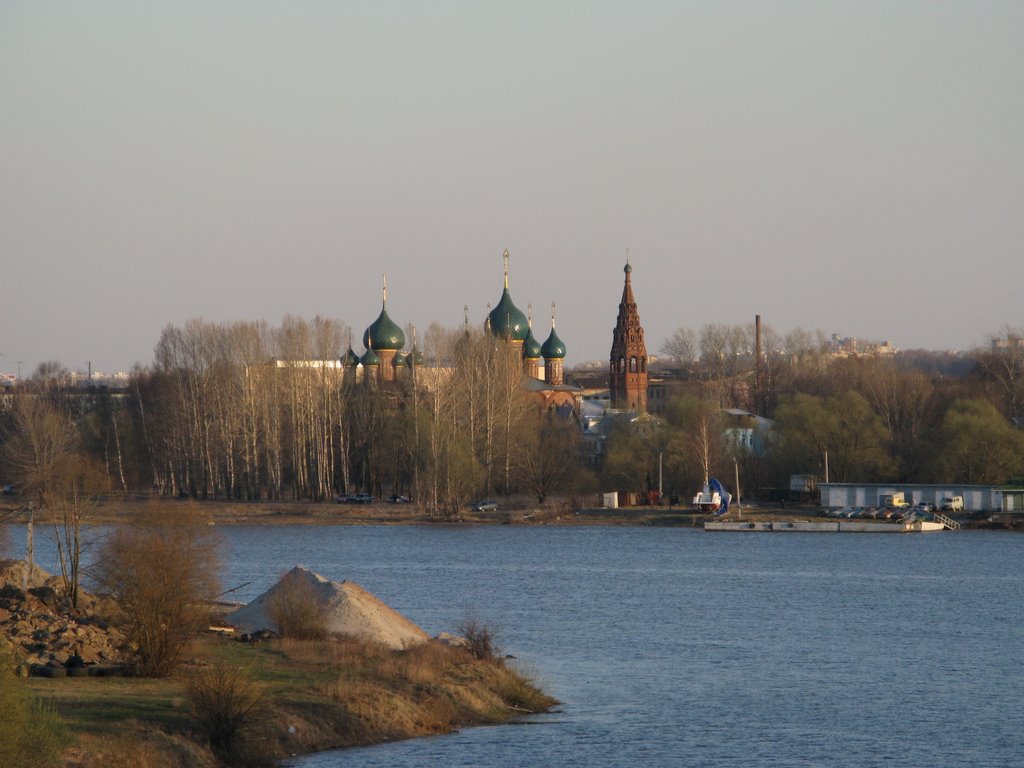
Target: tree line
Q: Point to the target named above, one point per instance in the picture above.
(244, 411)
(247, 411)
(915, 416)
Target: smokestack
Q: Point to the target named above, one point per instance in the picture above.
(757, 365)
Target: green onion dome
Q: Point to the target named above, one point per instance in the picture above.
(400, 360)
(350, 359)
(553, 348)
(506, 321)
(384, 333)
(416, 357)
(370, 358)
(531, 347)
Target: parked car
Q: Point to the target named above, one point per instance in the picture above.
(353, 498)
(8, 490)
(924, 506)
(953, 504)
(486, 506)
(397, 499)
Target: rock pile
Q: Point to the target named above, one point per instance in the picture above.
(44, 631)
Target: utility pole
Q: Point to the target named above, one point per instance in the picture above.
(660, 494)
(29, 547)
(739, 505)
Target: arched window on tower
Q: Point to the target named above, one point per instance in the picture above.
(643, 365)
(632, 364)
(622, 365)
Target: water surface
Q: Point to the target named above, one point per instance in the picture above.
(675, 647)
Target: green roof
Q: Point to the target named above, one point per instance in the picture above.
(553, 348)
(384, 333)
(507, 321)
(531, 347)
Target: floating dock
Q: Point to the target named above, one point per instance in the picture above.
(830, 526)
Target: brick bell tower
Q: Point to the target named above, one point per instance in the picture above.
(628, 370)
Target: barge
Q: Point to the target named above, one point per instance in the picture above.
(829, 526)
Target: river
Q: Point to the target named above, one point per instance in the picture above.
(676, 647)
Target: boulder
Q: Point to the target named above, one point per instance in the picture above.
(349, 610)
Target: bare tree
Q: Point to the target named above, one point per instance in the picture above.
(41, 437)
(1003, 365)
(79, 485)
(549, 452)
(682, 346)
(161, 572)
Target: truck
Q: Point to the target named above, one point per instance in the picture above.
(802, 487)
(895, 500)
(952, 504)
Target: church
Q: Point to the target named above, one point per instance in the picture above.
(384, 362)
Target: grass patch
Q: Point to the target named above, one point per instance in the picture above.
(103, 705)
(315, 694)
(31, 735)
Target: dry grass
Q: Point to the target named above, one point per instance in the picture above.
(323, 694)
(430, 688)
(139, 748)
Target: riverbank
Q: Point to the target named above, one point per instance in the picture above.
(513, 512)
(356, 686)
(311, 696)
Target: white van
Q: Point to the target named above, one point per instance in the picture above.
(952, 504)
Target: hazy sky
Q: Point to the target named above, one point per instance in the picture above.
(854, 167)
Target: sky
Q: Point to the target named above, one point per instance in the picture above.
(854, 168)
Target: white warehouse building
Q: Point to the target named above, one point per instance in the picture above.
(977, 498)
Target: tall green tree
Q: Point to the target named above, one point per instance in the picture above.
(979, 445)
(843, 426)
(632, 452)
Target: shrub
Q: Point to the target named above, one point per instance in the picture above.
(297, 610)
(161, 573)
(229, 707)
(480, 639)
(30, 734)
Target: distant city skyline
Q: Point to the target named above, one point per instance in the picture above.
(854, 169)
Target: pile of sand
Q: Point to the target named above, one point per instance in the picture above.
(349, 610)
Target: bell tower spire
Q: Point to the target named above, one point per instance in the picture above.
(628, 365)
